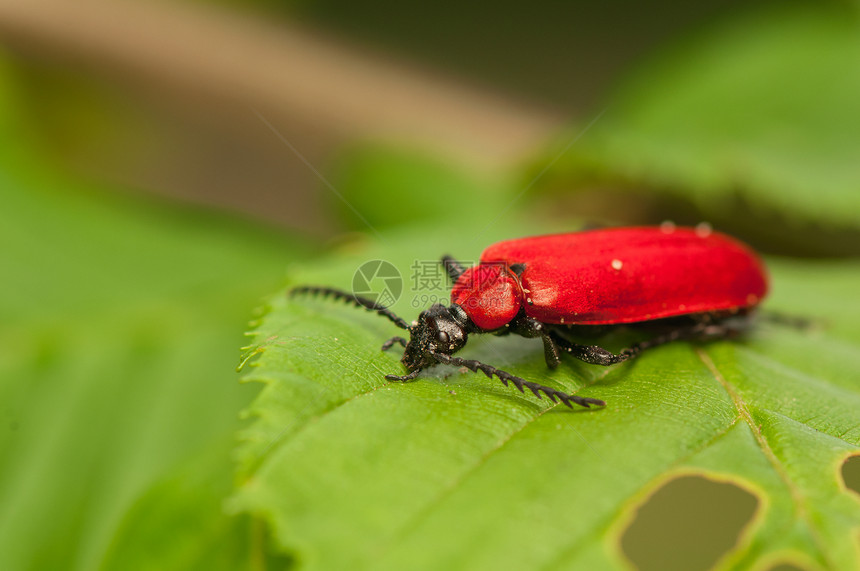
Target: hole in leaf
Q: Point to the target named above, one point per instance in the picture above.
(851, 473)
(687, 524)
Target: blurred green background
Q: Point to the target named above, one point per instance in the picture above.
(162, 167)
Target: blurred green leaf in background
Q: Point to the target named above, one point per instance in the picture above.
(752, 125)
(121, 317)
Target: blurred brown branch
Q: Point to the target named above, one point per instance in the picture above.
(285, 71)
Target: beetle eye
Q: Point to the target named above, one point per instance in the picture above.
(442, 337)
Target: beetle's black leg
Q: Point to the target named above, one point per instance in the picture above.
(531, 327)
(594, 354)
(550, 351)
(705, 328)
(404, 378)
(356, 300)
(521, 384)
(793, 321)
(454, 268)
(391, 342)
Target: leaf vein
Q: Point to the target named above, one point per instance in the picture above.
(797, 496)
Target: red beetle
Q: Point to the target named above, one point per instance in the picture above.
(701, 283)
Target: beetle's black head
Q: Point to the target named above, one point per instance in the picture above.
(439, 329)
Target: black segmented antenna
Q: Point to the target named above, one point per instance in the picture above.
(521, 384)
(454, 268)
(356, 300)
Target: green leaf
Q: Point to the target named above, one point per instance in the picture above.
(757, 115)
(457, 471)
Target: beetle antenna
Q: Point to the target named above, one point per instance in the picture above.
(519, 383)
(356, 300)
(454, 268)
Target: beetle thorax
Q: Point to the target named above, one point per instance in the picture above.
(490, 293)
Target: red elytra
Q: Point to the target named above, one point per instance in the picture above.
(612, 276)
